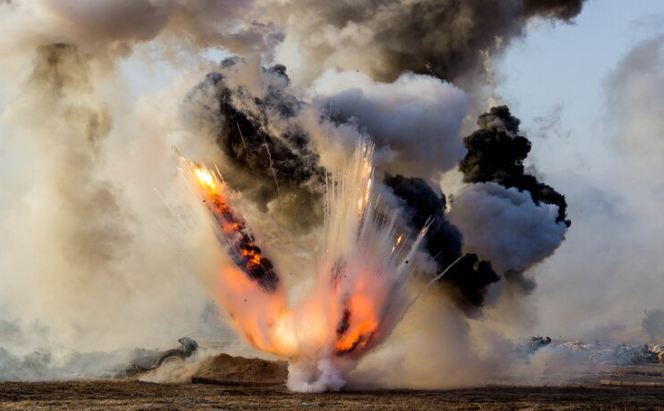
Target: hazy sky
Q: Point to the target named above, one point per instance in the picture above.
(608, 270)
(562, 68)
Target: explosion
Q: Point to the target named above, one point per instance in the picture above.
(339, 164)
(360, 292)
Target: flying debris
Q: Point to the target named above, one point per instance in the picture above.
(360, 293)
(241, 244)
(266, 164)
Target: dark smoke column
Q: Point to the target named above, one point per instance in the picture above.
(496, 153)
(469, 278)
(507, 216)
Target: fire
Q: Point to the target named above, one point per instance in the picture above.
(358, 292)
(397, 243)
(205, 178)
(366, 173)
(357, 326)
(240, 242)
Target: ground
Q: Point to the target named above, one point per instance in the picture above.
(134, 395)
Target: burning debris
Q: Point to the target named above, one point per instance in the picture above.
(360, 293)
(239, 242)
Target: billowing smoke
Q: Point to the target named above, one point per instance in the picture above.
(112, 29)
(616, 207)
(386, 38)
(103, 232)
(415, 121)
(506, 215)
(496, 153)
(249, 112)
(505, 226)
(469, 277)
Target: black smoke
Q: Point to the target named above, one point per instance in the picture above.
(558, 9)
(496, 153)
(270, 155)
(469, 278)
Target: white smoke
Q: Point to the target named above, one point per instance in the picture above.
(504, 226)
(609, 267)
(415, 120)
(314, 376)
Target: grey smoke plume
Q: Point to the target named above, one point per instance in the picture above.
(506, 216)
(272, 138)
(110, 28)
(504, 226)
(79, 217)
(415, 120)
(386, 38)
(79, 256)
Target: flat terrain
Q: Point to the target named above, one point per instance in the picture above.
(134, 395)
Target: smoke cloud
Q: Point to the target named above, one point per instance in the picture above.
(385, 39)
(469, 277)
(250, 113)
(415, 120)
(111, 29)
(505, 226)
(496, 153)
(103, 236)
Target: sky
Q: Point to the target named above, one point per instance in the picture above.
(607, 271)
(563, 67)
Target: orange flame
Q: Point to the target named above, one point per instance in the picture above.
(343, 316)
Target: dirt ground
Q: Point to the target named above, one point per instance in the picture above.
(134, 395)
